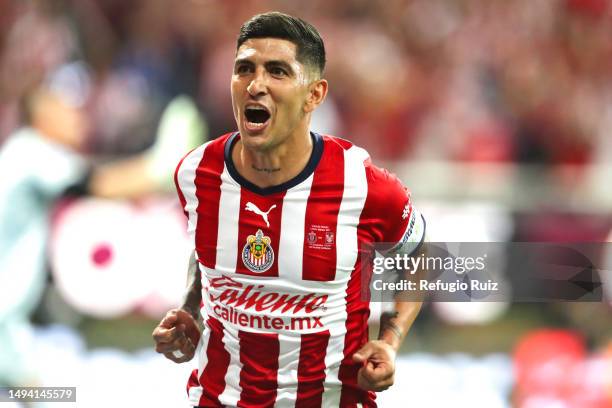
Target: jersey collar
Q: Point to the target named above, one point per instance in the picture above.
(315, 157)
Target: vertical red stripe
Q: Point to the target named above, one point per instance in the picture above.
(311, 369)
(319, 261)
(212, 379)
(250, 222)
(193, 380)
(358, 312)
(258, 377)
(208, 193)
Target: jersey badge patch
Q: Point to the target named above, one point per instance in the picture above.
(321, 237)
(257, 254)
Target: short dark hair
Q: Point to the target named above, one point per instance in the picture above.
(310, 49)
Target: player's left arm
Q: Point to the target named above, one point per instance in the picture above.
(378, 356)
(394, 220)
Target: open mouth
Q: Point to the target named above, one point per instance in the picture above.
(256, 116)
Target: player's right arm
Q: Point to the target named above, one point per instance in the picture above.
(193, 296)
(177, 335)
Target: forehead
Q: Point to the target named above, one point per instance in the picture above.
(267, 49)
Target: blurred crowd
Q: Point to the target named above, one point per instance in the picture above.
(456, 80)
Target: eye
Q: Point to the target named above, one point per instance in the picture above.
(278, 71)
(242, 69)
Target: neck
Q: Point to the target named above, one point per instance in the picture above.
(271, 167)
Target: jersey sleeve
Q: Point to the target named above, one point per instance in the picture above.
(177, 185)
(394, 219)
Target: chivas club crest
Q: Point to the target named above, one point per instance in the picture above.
(312, 237)
(320, 237)
(258, 254)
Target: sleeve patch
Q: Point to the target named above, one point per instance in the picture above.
(415, 232)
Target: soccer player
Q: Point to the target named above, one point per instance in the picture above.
(279, 217)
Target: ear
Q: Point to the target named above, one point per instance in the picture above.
(317, 91)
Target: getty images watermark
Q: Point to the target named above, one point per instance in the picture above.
(488, 272)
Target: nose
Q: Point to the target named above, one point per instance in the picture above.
(258, 85)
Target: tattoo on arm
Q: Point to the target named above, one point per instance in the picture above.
(193, 297)
(387, 324)
(395, 325)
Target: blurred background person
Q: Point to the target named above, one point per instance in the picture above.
(40, 162)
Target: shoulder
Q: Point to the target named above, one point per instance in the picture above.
(207, 158)
(380, 180)
(212, 151)
(388, 198)
(31, 142)
(352, 154)
(335, 142)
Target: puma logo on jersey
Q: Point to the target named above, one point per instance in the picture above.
(253, 208)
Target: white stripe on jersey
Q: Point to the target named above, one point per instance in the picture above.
(291, 245)
(195, 393)
(287, 376)
(231, 395)
(353, 201)
(186, 182)
(290, 261)
(227, 236)
(227, 252)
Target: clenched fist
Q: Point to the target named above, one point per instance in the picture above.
(177, 336)
(378, 371)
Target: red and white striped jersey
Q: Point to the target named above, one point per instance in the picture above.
(281, 273)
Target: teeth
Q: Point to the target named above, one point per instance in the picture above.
(255, 126)
(256, 107)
